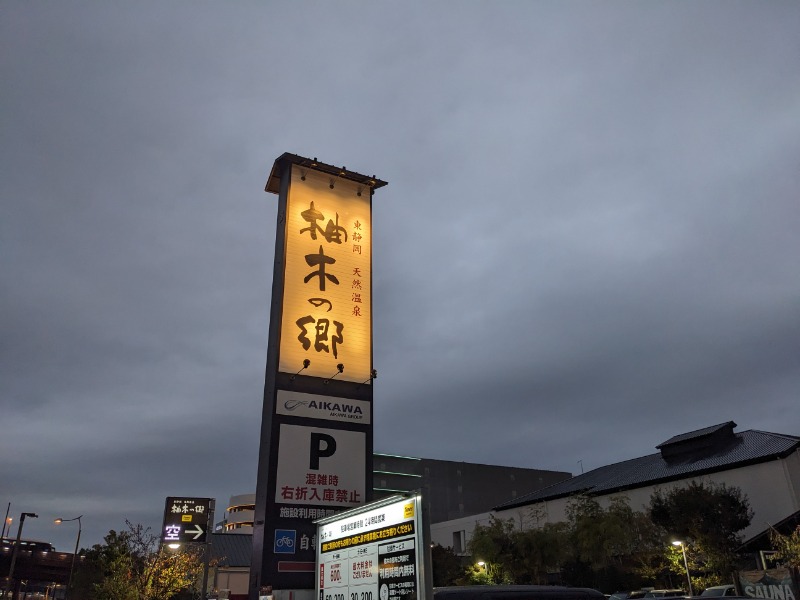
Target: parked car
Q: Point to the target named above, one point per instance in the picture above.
(720, 590)
(664, 593)
(515, 592)
(634, 595)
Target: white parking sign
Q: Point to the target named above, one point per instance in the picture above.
(319, 466)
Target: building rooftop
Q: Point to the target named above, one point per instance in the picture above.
(232, 549)
(707, 450)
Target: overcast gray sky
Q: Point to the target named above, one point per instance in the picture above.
(589, 242)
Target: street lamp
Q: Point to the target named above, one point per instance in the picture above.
(7, 522)
(483, 568)
(16, 546)
(685, 564)
(74, 554)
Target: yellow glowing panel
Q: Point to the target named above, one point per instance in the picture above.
(327, 304)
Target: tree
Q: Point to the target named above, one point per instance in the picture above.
(517, 556)
(94, 576)
(492, 545)
(788, 551)
(707, 519)
(787, 547)
(159, 572)
(539, 552)
(446, 566)
(615, 547)
(131, 565)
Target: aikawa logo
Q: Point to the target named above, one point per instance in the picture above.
(291, 404)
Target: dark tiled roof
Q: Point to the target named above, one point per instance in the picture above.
(761, 541)
(748, 447)
(232, 549)
(706, 431)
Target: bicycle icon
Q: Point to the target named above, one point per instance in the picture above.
(284, 541)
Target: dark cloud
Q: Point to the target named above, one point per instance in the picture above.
(588, 244)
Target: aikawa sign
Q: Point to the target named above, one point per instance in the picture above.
(315, 457)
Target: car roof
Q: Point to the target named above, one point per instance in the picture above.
(515, 592)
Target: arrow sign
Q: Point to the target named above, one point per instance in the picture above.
(187, 520)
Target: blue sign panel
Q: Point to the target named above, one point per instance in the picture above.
(284, 541)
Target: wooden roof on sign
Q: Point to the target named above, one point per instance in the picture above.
(287, 159)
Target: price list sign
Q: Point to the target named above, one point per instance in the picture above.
(372, 553)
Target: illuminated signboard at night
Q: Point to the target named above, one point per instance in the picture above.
(185, 520)
(315, 456)
(327, 303)
(376, 552)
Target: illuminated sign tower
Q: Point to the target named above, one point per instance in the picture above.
(315, 457)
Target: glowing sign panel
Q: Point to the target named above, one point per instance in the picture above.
(185, 520)
(372, 554)
(327, 304)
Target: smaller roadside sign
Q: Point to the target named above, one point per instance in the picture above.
(186, 520)
(375, 552)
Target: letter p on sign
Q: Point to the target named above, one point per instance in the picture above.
(322, 446)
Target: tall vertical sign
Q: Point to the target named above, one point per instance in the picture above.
(315, 457)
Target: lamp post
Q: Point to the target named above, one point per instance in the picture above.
(74, 554)
(685, 564)
(16, 546)
(6, 522)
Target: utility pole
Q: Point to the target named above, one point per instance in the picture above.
(16, 547)
(207, 550)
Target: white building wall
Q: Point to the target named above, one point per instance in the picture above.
(234, 579)
(792, 467)
(773, 489)
(458, 532)
(240, 514)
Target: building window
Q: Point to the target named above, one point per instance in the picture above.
(459, 546)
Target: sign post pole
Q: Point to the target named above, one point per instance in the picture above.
(207, 549)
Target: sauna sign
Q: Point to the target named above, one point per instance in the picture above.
(371, 553)
(327, 304)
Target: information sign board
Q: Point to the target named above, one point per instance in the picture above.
(185, 520)
(372, 553)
